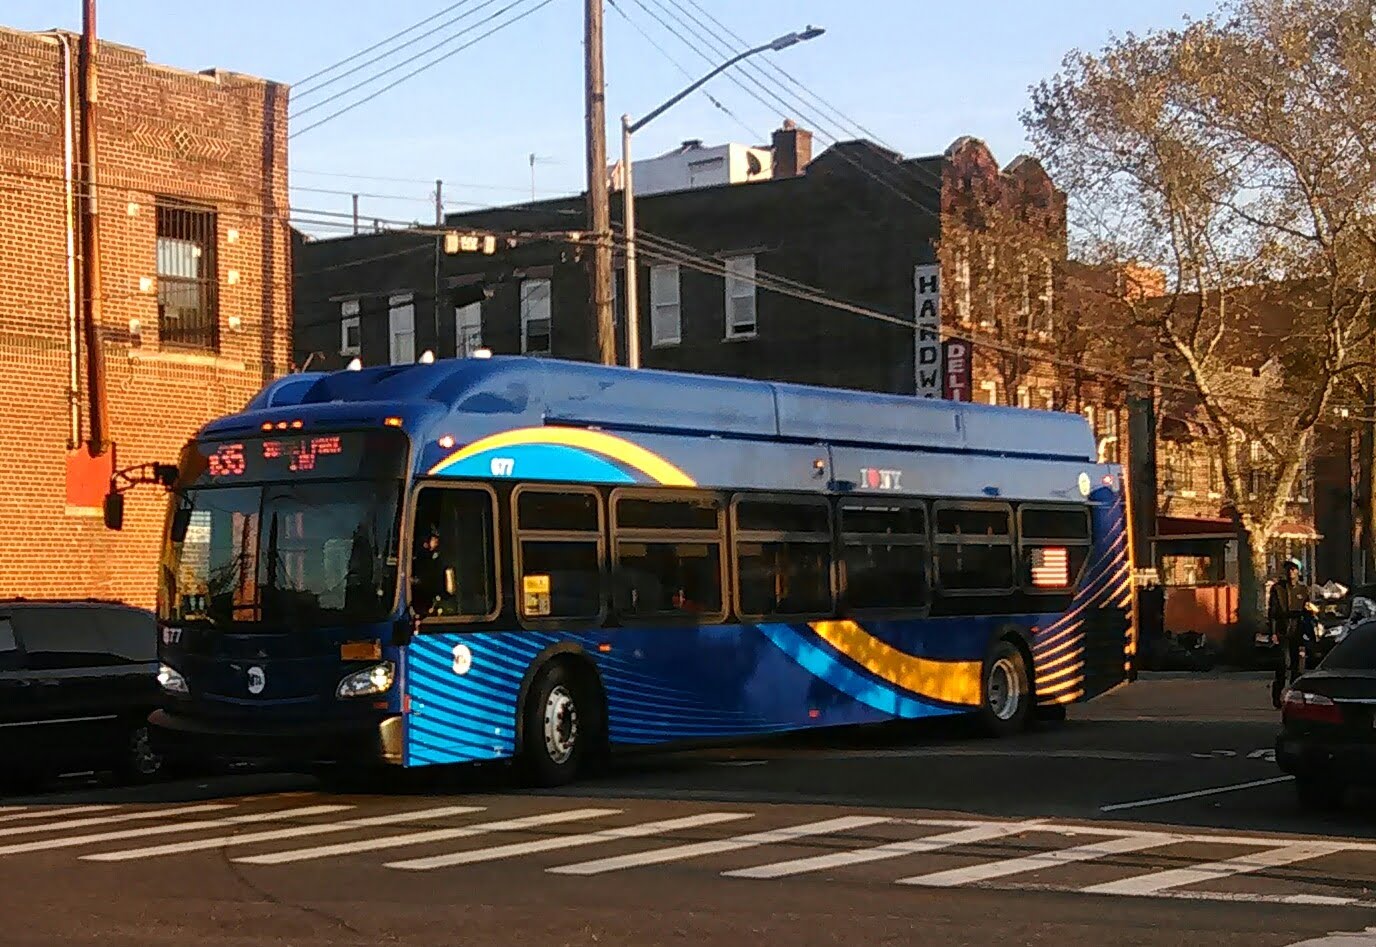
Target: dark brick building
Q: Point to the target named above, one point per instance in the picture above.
(730, 277)
(196, 288)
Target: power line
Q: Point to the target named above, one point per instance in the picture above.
(422, 68)
(678, 65)
(429, 182)
(297, 87)
(412, 58)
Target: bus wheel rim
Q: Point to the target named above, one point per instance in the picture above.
(560, 725)
(1005, 689)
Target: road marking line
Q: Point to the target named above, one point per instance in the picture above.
(13, 816)
(272, 835)
(421, 838)
(642, 830)
(1195, 795)
(1242, 897)
(110, 819)
(860, 856)
(696, 849)
(74, 840)
(1048, 859)
(1243, 864)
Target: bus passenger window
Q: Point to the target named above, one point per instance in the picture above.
(1055, 546)
(453, 560)
(886, 556)
(559, 553)
(974, 547)
(783, 558)
(668, 556)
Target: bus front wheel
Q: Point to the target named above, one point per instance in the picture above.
(554, 730)
(1007, 691)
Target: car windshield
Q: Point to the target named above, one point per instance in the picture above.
(1356, 652)
(279, 556)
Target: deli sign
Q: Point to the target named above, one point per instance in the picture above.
(956, 358)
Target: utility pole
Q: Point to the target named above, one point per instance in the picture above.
(355, 214)
(439, 252)
(599, 211)
(90, 237)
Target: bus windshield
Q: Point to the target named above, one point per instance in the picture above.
(279, 556)
(284, 530)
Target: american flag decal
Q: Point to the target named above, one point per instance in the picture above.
(1050, 568)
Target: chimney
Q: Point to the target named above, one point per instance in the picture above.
(792, 150)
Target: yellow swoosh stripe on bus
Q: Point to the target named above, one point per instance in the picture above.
(652, 465)
(951, 682)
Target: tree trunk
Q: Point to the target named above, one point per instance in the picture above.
(1251, 592)
(1365, 501)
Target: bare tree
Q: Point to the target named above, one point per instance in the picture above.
(1237, 155)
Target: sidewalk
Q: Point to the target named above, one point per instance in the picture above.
(1213, 696)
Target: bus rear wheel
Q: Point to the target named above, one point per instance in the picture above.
(1007, 691)
(554, 729)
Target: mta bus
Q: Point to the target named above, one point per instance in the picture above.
(491, 558)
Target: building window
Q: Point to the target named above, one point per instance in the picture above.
(666, 313)
(468, 329)
(401, 329)
(1024, 397)
(188, 283)
(350, 332)
(990, 390)
(740, 297)
(536, 326)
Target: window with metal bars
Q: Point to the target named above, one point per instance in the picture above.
(188, 280)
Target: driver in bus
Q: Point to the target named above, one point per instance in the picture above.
(428, 587)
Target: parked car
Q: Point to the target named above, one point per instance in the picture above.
(1328, 722)
(77, 682)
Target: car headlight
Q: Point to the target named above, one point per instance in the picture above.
(374, 680)
(171, 680)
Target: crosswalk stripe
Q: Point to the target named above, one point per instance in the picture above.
(1146, 885)
(1048, 859)
(272, 835)
(66, 825)
(72, 841)
(642, 830)
(12, 816)
(696, 849)
(422, 838)
(875, 853)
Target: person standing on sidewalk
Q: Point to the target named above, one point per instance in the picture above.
(1286, 612)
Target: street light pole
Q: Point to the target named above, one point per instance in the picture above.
(629, 128)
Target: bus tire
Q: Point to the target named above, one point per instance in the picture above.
(554, 726)
(1006, 692)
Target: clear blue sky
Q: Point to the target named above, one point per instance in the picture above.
(917, 73)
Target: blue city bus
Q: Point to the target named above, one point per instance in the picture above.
(482, 559)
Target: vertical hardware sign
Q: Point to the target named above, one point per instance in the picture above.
(927, 335)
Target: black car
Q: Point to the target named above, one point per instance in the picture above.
(77, 682)
(1328, 734)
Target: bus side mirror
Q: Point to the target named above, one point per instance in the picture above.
(114, 511)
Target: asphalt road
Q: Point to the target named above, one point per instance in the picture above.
(1154, 816)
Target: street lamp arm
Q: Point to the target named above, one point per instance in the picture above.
(698, 85)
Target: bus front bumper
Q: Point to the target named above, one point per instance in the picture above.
(358, 742)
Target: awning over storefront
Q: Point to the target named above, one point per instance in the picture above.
(1295, 529)
(1186, 527)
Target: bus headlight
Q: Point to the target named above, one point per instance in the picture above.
(171, 680)
(374, 680)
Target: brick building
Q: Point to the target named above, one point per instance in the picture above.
(736, 279)
(195, 266)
